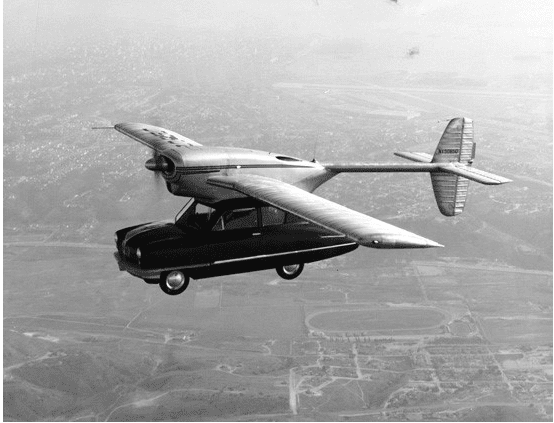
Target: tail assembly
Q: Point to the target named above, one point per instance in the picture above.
(453, 159)
(450, 167)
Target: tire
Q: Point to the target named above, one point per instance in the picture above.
(174, 283)
(290, 271)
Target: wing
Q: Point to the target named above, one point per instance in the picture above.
(356, 226)
(156, 138)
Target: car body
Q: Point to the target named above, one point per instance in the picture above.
(233, 237)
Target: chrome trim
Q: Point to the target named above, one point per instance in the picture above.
(283, 254)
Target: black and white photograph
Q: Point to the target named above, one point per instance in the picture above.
(293, 210)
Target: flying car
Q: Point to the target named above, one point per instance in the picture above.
(251, 210)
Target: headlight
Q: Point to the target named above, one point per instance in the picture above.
(138, 253)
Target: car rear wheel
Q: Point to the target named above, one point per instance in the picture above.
(290, 271)
(174, 283)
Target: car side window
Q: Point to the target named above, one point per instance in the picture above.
(237, 219)
(272, 216)
(292, 218)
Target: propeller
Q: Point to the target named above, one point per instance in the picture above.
(159, 164)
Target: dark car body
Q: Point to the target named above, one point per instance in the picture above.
(224, 240)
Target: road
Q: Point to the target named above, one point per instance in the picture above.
(293, 395)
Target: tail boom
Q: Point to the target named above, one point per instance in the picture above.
(381, 167)
(459, 169)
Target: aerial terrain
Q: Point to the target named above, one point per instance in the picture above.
(461, 333)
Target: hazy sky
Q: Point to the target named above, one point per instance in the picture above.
(354, 18)
(328, 16)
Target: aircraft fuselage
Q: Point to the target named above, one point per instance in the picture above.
(191, 169)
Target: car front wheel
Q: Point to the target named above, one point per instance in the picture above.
(174, 283)
(290, 271)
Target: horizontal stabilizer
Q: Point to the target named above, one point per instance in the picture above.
(473, 174)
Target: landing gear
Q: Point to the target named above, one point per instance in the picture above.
(290, 271)
(174, 283)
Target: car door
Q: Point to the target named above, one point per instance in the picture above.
(235, 236)
(284, 232)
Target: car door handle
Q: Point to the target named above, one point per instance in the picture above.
(256, 233)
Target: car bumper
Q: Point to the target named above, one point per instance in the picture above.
(134, 270)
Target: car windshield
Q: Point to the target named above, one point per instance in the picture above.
(185, 208)
(194, 215)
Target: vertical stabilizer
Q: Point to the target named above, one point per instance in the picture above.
(455, 146)
(456, 143)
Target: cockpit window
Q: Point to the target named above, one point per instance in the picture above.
(288, 159)
(237, 219)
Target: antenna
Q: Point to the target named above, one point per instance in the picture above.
(315, 147)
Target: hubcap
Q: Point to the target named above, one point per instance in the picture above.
(291, 269)
(175, 280)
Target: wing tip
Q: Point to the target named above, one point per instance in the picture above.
(433, 244)
(400, 240)
(504, 181)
